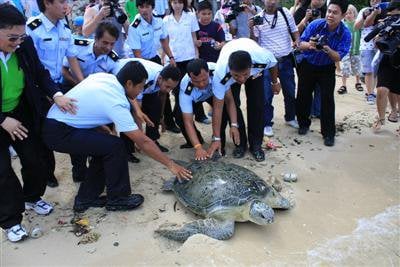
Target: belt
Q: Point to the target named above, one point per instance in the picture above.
(281, 59)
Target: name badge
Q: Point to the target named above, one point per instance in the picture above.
(144, 34)
(64, 39)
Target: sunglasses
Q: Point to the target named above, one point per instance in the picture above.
(15, 38)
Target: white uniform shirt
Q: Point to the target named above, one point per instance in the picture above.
(146, 37)
(180, 35)
(189, 94)
(52, 43)
(222, 80)
(89, 63)
(101, 100)
(153, 71)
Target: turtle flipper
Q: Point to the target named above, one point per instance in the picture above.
(221, 230)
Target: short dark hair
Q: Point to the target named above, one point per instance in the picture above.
(132, 71)
(196, 65)
(185, 6)
(41, 5)
(171, 72)
(10, 16)
(343, 4)
(204, 5)
(239, 61)
(106, 26)
(143, 2)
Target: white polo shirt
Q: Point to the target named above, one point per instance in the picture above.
(101, 100)
(260, 57)
(180, 35)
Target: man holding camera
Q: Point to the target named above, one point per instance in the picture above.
(309, 11)
(107, 10)
(239, 16)
(324, 42)
(389, 67)
(274, 29)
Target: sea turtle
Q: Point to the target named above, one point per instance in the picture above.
(222, 193)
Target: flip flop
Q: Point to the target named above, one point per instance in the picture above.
(393, 117)
(359, 87)
(342, 90)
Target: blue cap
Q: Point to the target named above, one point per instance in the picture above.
(78, 21)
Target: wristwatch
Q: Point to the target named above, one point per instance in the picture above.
(214, 138)
(234, 124)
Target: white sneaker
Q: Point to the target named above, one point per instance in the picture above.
(41, 207)
(293, 123)
(268, 131)
(16, 233)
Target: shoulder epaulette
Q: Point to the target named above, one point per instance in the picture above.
(189, 88)
(34, 24)
(147, 85)
(114, 56)
(136, 23)
(259, 65)
(158, 16)
(226, 78)
(81, 42)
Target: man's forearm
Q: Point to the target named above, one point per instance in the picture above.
(189, 127)
(218, 106)
(231, 107)
(274, 74)
(166, 48)
(67, 75)
(76, 69)
(332, 54)
(91, 26)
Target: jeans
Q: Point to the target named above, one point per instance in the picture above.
(286, 77)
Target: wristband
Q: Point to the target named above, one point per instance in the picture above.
(234, 124)
(214, 138)
(58, 94)
(197, 146)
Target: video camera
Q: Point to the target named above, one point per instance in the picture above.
(234, 9)
(315, 12)
(320, 40)
(116, 11)
(388, 31)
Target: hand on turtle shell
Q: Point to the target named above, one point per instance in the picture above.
(200, 154)
(180, 172)
(215, 146)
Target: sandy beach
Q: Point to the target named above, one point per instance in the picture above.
(347, 209)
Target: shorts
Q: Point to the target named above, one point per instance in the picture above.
(366, 60)
(351, 65)
(388, 76)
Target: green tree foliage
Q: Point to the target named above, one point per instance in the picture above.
(357, 3)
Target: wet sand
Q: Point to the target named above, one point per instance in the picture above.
(347, 209)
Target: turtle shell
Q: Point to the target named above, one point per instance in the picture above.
(218, 185)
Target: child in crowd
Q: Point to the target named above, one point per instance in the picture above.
(351, 64)
(210, 34)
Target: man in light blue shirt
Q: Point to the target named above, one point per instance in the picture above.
(102, 99)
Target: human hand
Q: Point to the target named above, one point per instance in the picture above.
(180, 172)
(200, 154)
(143, 118)
(104, 11)
(14, 128)
(276, 88)
(215, 146)
(308, 15)
(66, 104)
(198, 43)
(172, 62)
(234, 134)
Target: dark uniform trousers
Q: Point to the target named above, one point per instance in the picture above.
(254, 89)
(311, 76)
(108, 166)
(34, 170)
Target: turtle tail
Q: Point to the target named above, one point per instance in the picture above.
(221, 230)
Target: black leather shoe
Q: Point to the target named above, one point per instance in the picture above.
(125, 203)
(258, 155)
(174, 129)
(186, 145)
(132, 158)
(303, 130)
(162, 148)
(52, 182)
(81, 206)
(238, 152)
(329, 141)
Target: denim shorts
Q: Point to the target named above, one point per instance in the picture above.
(366, 60)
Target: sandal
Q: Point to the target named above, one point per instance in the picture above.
(377, 125)
(359, 87)
(342, 90)
(393, 116)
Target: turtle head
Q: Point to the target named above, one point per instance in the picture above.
(260, 213)
(276, 200)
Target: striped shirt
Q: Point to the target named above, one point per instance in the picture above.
(338, 40)
(277, 39)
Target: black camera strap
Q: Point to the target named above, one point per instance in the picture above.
(287, 23)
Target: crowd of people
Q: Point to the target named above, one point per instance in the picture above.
(82, 78)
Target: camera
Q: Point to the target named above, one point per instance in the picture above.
(116, 11)
(258, 20)
(234, 9)
(383, 6)
(388, 32)
(320, 40)
(315, 12)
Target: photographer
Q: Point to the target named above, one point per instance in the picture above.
(366, 20)
(389, 67)
(324, 42)
(274, 30)
(309, 11)
(107, 10)
(239, 16)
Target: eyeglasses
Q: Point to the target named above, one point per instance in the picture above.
(15, 38)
